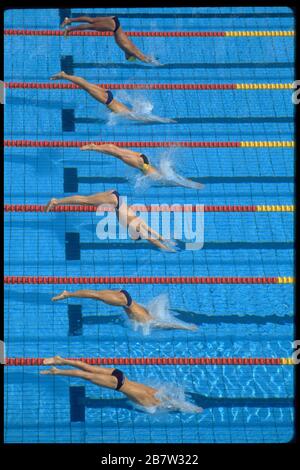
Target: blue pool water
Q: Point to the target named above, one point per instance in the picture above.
(241, 403)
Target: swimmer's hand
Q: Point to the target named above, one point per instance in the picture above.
(152, 60)
(179, 245)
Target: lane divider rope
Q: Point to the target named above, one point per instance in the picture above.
(146, 280)
(246, 361)
(50, 32)
(203, 144)
(153, 208)
(154, 86)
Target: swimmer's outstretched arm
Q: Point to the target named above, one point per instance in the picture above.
(110, 297)
(186, 406)
(152, 232)
(160, 245)
(175, 326)
(157, 241)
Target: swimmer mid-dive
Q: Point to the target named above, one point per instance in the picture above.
(149, 398)
(106, 97)
(109, 24)
(135, 311)
(141, 162)
(138, 229)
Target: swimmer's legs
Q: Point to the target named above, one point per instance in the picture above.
(108, 296)
(79, 19)
(95, 91)
(103, 380)
(57, 360)
(125, 155)
(96, 24)
(94, 200)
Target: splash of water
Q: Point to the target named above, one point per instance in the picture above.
(159, 309)
(141, 110)
(154, 60)
(167, 175)
(172, 398)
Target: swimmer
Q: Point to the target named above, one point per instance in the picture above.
(106, 97)
(141, 162)
(100, 94)
(137, 228)
(142, 395)
(122, 298)
(109, 24)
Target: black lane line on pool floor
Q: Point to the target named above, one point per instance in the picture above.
(73, 246)
(65, 13)
(75, 320)
(72, 180)
(182, 15)
(77, 404)
(68, 65)
(69, 120)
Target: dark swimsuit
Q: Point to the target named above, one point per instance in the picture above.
(120, 378)
(128, 297)
(145, 159)
(117, 23)
(110, 97)
(118, 199)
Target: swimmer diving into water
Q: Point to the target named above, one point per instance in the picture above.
(135, 311)
(106, 97)
(151, 399)
(141, 162)
(138, 229)
(109, 24)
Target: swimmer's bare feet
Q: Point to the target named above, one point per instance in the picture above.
(58, 75)
(56, 360)
(51, 371)
(62, 296)
(89, 147)
(65, 22)
(51, 204)
(66, 32)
